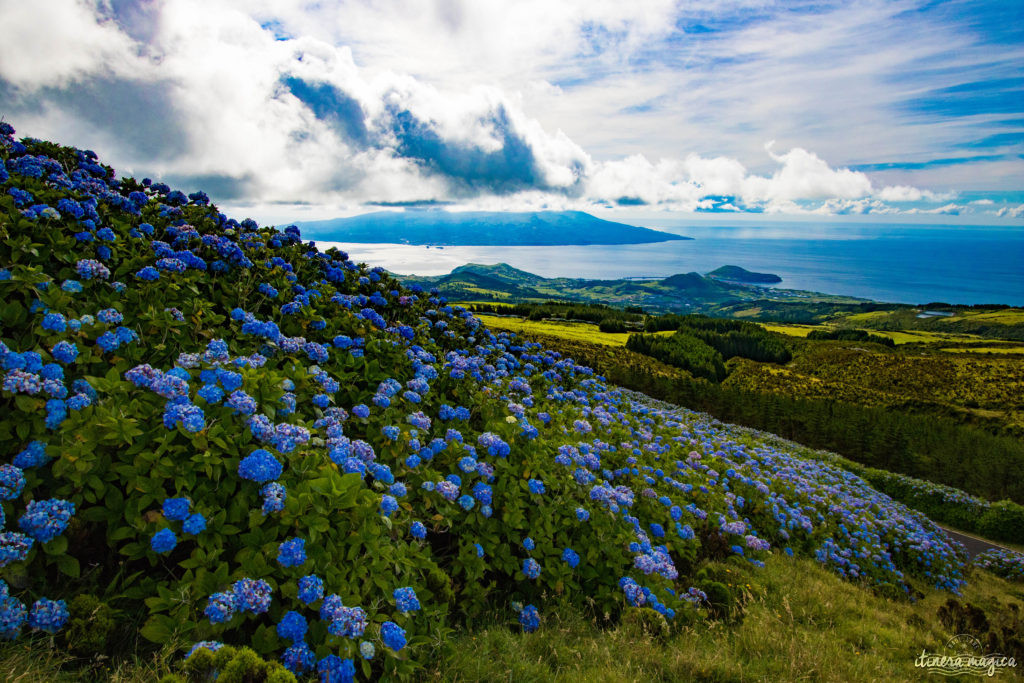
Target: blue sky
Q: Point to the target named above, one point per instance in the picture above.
(896, 110)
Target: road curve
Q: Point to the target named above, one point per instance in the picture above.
(975, 546)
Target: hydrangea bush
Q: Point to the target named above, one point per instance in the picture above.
(238, 438)
(1003, 562)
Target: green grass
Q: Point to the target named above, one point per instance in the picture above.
(984, 349)
(500, 304)
(800, 623)
(576, 331)
(581, 332)
(36, 660)
(898, 336)
(1013, 316)
(792, 330)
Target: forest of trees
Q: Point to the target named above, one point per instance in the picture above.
(701, 345)
(681, 350)
(850, 335)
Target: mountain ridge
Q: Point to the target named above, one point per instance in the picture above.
(482, 228)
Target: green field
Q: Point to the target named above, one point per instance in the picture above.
(1013, 316)
(898, 336)
(584, 332)
(792, 330)
(985, 349)
(566, 330)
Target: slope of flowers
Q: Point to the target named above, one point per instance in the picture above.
(243, 439)
(1003, 562)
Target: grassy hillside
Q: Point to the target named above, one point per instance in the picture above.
(216, 437)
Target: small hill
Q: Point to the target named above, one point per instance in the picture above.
(691, 282)
(482, 228)
(738, 274)
(501, 272)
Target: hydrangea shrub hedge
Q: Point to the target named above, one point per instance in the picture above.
(229, 436)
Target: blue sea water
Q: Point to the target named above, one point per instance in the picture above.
(886, 262)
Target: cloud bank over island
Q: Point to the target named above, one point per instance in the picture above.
(490, 105)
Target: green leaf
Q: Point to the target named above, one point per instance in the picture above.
(158, 629)
(57, 546)
(68, 566)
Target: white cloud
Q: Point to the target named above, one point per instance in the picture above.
(51, 43)
(571, 104)
(1011, 211)
(905, 193)
(834, 207)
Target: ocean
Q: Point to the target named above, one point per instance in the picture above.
(901, 263)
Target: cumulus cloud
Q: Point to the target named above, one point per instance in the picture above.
(271, 103)
(1011, 211)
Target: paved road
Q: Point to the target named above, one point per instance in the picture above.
(973, 544)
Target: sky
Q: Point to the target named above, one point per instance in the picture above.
(286, 110)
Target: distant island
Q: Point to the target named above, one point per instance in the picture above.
(737, 274)
(481, 228)
(680, 293)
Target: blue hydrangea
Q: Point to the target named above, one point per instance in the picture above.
(311, 588)
(48, 615)
(241, 402)
(176, 509)
(466, 502)
(292, 626)
(529, 618)
(54, 322)
(44, 520)
(12, 617)
(582, 514)
(570, 557)
(536, 486)
(220, 607)
(367, 650)
(274, 495)
(393, 635)
(252, 595)
(388, 505)
(405, 599)
(292, 553)
(163, 541)
(65, 352)
(211, 393)
(531, 568)
(33, 455)
(528, 543)
(12, 482)
(14, 547)
(334, 669)
(195, 524)
(348, 622)
(418, 530)
(259, 466)
(361, 411)
(298, 658)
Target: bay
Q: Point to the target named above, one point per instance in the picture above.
(913, 264)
